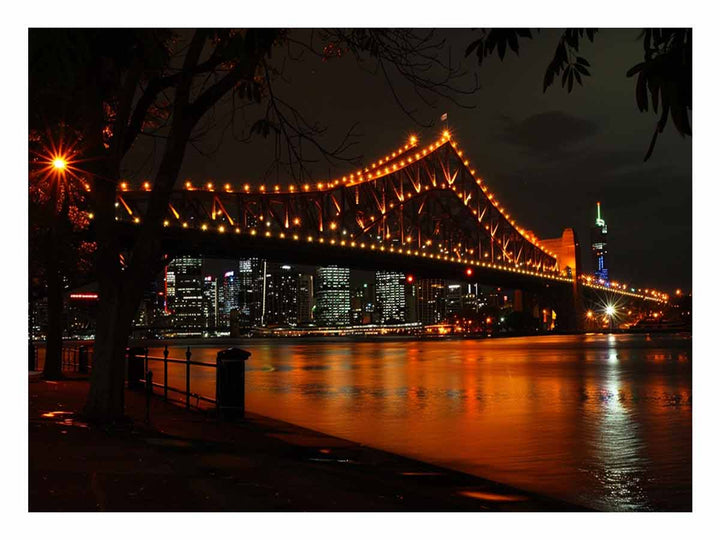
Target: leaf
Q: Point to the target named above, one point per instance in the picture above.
(633, 70)
(549, 76)
(654, 87)
(501, 48)
(580, 60)
(582, 70)
(474, 45)
(652, 144)
(513, 42)
(641, 92)
(571, 37)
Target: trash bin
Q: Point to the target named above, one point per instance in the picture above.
(82, 359)
(135, 367)
(230, 383)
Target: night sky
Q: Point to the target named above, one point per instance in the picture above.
(547, 157)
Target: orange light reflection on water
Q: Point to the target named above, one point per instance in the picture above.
(604, 421)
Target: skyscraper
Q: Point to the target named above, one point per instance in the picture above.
(229, 296)
(599, 247)
(258, 272)
(431, 300)
(281, 292)
(245, 291)
(390, 292)
(185, 297)
(305, 299)
(453, 299)
(210, 303)
(333, 296)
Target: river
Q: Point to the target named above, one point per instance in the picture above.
(600, 420)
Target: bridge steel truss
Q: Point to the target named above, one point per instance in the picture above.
(420, 202)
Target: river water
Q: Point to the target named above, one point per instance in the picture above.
(600, 420)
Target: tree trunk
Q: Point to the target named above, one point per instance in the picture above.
(53, 351)
(105, 401)
(106, 398)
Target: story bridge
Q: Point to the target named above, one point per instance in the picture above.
(420, 210)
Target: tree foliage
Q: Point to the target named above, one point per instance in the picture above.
(665, 74)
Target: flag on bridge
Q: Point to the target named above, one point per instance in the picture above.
(443, 117)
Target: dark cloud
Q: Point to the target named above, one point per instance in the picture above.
(550, 133)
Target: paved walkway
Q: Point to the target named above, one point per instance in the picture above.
(189, 461)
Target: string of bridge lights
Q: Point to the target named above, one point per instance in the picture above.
(616, 287)
(376, 171)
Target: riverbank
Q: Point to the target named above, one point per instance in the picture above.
(185, 460)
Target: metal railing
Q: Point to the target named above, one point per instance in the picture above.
(78, 358)
(73, 357)
(185, 393)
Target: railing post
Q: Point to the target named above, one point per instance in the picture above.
(82, 359)
(187, 378)
(135, 367)
(165, 356)
(146, 359)
(148, 393)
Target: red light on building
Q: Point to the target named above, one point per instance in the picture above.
(83, 296)
(410, 278)
(468, 272)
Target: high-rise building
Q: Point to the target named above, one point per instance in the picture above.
(305, 299)
(598, 235)
(390, 293)
(184, 295)
(333, 296)
(229, 294)
(453, 299)
(411, 300)
(245, 291)
(210, 303)
(431, 300)
(258, 273)
(281, 292)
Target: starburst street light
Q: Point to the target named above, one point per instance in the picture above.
(59, 163)
(610, 310)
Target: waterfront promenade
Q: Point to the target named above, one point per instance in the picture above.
(186, 460)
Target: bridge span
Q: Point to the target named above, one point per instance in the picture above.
(418, 210)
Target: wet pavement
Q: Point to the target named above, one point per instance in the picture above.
(186, 460)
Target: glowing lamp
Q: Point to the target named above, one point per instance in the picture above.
(59, 163)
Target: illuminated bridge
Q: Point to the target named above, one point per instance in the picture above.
(421, 210)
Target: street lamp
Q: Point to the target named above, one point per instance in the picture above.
(610, 312)
(59, 163)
